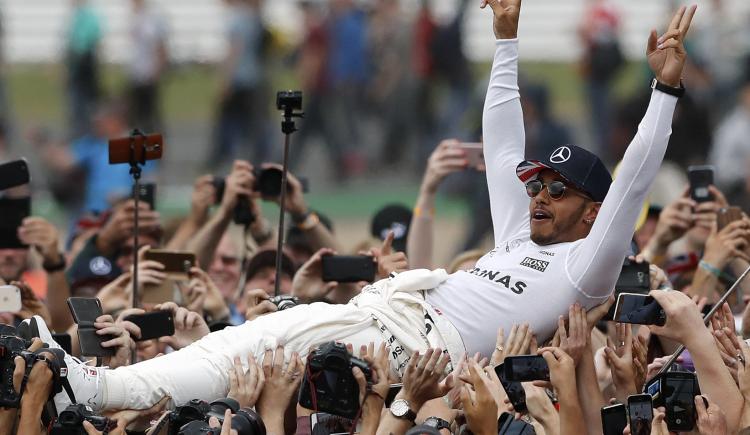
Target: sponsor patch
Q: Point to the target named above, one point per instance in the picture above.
(535, 264)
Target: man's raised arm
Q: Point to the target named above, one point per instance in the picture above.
(595, 263)
(502, 126)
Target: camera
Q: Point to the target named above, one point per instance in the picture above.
(10, 347)
(329, 385)
(284, 302)
(192, 418)
(289, 100)
(70, 421)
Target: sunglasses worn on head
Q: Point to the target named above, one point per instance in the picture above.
(556, 189)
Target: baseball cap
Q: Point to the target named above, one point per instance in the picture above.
(392, 217)
(580, 167)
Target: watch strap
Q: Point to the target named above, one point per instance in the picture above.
(408, 415)
(675, 92)
(55, 267)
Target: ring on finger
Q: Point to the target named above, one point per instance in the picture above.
(499, 348)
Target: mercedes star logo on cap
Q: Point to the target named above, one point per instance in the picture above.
(560, 155)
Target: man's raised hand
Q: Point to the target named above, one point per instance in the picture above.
(666, 54)
(506, 14)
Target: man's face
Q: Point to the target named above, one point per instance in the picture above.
(557, 220)
(225, 268)
(265, 278)
(13, 262)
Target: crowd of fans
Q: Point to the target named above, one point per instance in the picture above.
(232, 278)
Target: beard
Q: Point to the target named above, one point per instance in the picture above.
(562, 226)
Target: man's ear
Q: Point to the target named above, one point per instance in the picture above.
(592, 211)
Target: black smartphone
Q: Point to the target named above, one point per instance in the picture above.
(639, 309)
(514, 390)
(13, 211)
(153, 325)
(85, 311)
(526, 368)
(147, 194)
(14, 173)
(700, 178)
(348, 268)
(614, 419)
(640, 414)
(392, 391)
(64, 341)
(676, 392)
(634, 278)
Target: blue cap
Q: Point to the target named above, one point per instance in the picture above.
(580, 167)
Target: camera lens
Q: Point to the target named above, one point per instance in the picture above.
(70, 418)
(198, 427)
(248, 422)
(219, 407)
(286, 304)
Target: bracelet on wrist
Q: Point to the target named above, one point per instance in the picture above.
(713, 270)
(55, 267)
(310, 222)
(428, 214)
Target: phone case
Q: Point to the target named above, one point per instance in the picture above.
(526, 368)
(153, 325)
(91, 343)
(343, 268)
(728, 215)
(10, 299)
(474, 153)
(177, 264)
(85, 311)
(15, 173)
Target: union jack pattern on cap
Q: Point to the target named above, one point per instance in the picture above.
(528, 168)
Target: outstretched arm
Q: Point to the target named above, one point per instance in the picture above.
(502, 127)
(594, 264)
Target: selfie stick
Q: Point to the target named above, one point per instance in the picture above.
(287, 127)
(135, 171)
(706, 319)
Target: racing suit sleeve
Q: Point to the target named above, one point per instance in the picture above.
(504, 142)
(594, 264)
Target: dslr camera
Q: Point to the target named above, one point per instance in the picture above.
(329, 385)
(284, 302)
(70, 421)
(11, 346)
(192, 418)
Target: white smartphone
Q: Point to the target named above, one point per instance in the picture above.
(10, 299)
(474, 153)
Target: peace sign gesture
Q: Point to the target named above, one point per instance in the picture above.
(506, 14)
(666, 54)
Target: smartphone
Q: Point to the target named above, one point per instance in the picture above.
(614, 419)
(10, 299)
(177, 265)
(392, 391)
(514, 390)
(65, 341)
(474, 153)
(85, 311)
(640, 414)
(726, 216)
(153, 325)
(331, 424)
(700, 178)
(147, 194)
(14, 173)
(676, 392)
(639, 309)
(135, 149)
(13, 211)
(348, 268)
(526, 368)
(634, 278)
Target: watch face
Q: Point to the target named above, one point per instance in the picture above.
(399, 408)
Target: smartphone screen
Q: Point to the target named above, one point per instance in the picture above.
(614, 419)
(10, 299)
(700, 178)
(639, 309)
(345, 268)
(526, 368)
(13, 174)
(679, 395)
(514, 390)
(640, 412)
(333, 424)
(153, 325)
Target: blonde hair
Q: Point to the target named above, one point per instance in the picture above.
(474, 254)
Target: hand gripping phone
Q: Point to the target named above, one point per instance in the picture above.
(177, 267)
(153, 325)
(85, 311)
(639, 309)
(700, 178)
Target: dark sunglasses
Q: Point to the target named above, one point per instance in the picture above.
(555, 189)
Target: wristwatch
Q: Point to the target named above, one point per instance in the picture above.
(676, 92)
(438, 423)
(400, 408)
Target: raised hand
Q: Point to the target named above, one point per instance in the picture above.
(518, 343)
(666, 54)
(506, 12)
